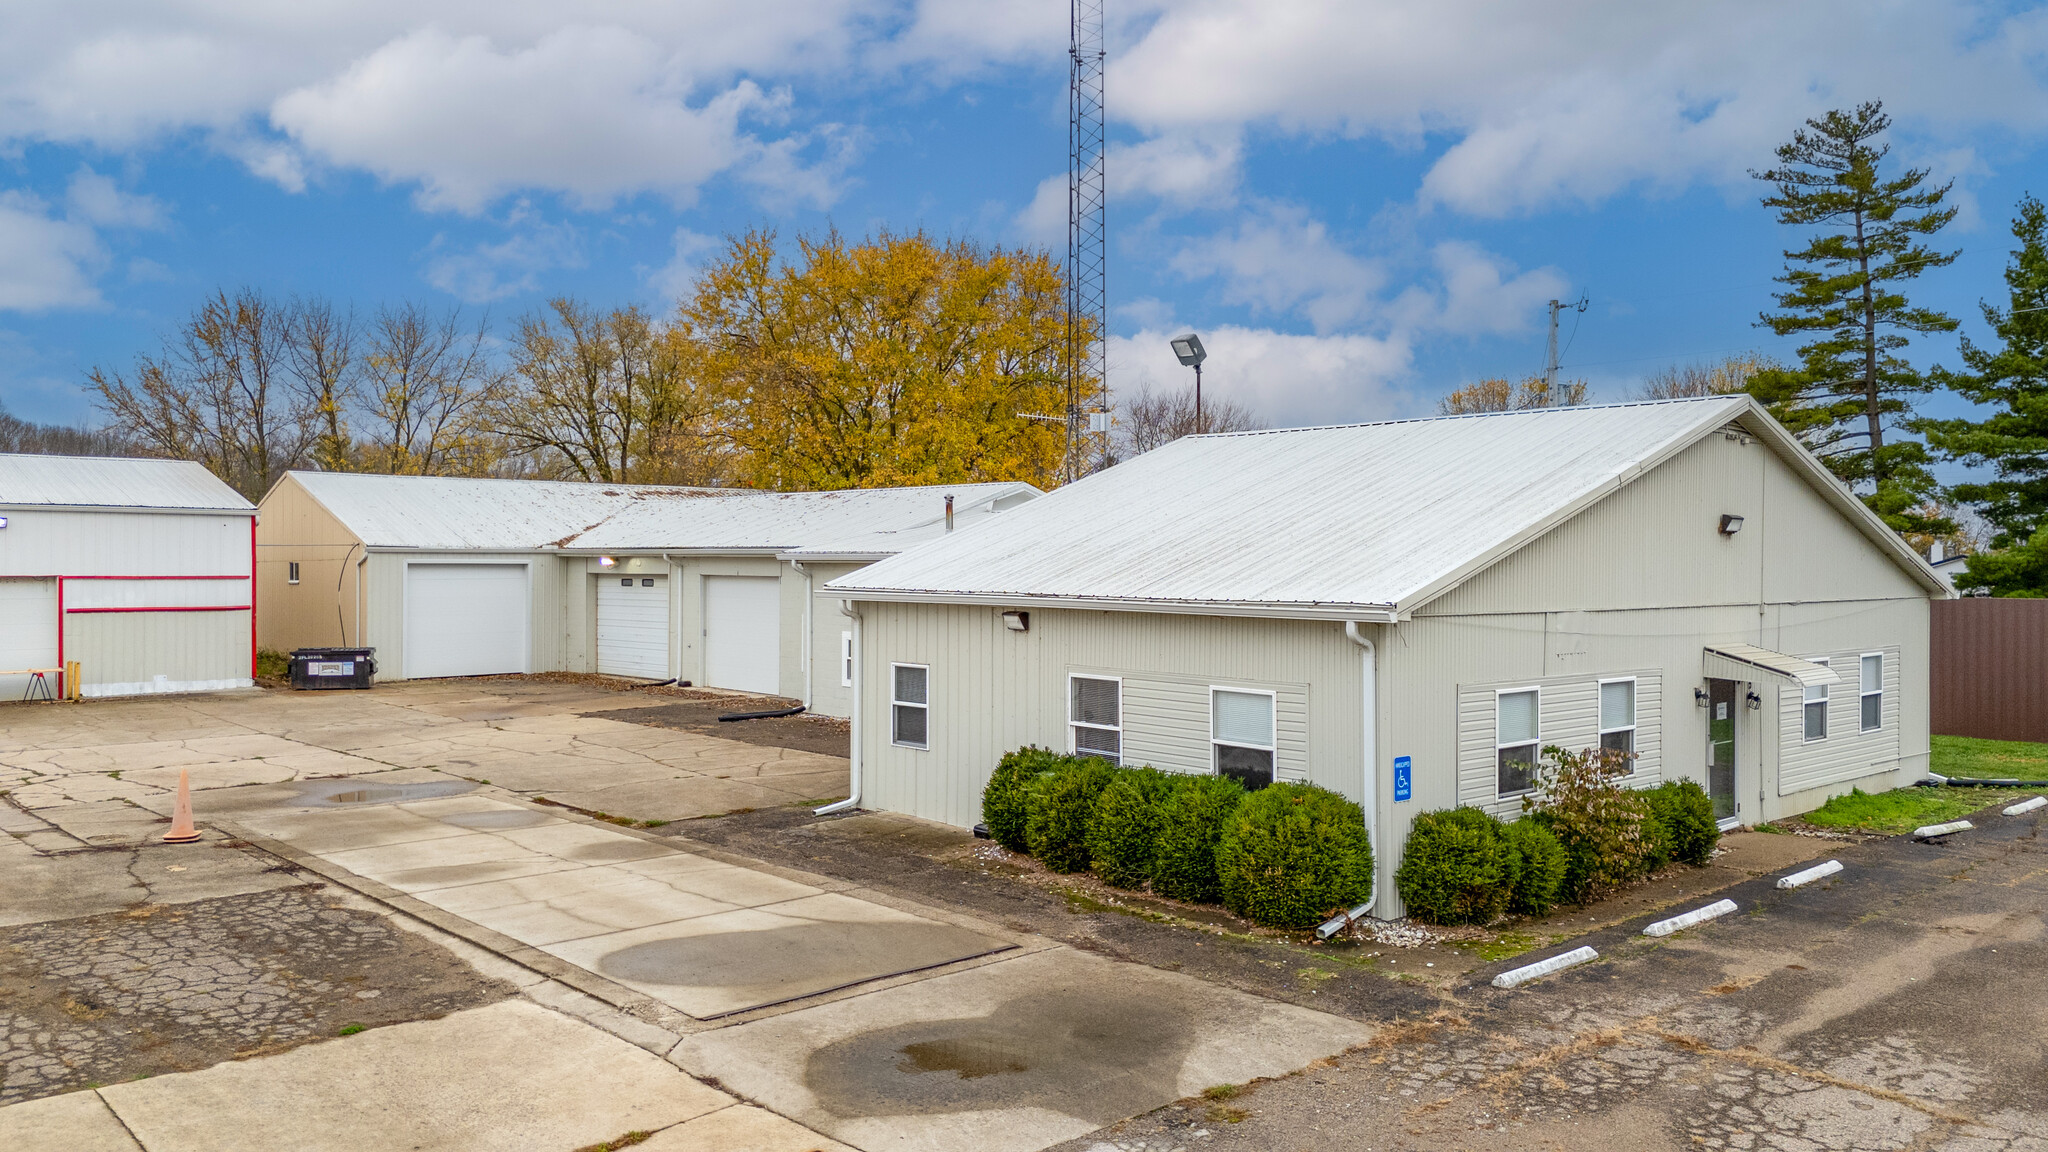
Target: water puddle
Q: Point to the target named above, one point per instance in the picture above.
(969, 1058)
(344, 793)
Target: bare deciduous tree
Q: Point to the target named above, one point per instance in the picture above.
(1498, 394)
(18, 435)
(1719, 378)
(1149, 419)
(322, 354)
(427, 381)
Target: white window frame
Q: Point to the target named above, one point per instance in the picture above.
(1807, 700)
(846, 661)
(1271, 750)
(1600, 716)
(291, 572)
(1536, 744)
(1074, 745)
(1863, 693)
(925, 707)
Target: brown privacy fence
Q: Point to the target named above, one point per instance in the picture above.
(1990, 667)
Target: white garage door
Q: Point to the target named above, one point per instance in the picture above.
(743, 633)
(28, 631)
(466, 620)
(632, 626)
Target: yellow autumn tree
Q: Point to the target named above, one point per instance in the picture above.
(1499, 394)
(894, 360)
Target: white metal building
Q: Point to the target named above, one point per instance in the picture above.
(1407, 612)
(140, 571)
(449, 576)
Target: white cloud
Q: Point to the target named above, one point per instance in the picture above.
(678, 278)
(1287, 379)
(487, 272)
(97, 200)
(46, 260)
(1476, 293)
(1280, 259)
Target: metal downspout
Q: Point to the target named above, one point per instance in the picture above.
(852, 800)
(1368, 720)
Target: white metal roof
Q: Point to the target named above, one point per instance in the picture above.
(462, 514)
(1362, 521)
(114, 482)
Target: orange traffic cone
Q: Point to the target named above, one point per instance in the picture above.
(182, 831)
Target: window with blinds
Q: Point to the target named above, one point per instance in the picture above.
(1515, 741)
(911, 705)
(1241, 735)
(1871, 691)
(1618, 718)
(1815, 707)
(1095, 716)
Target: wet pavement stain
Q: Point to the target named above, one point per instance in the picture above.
(494, 821)
(623, 849)
(344, 793)
(780, 963)
(1093, 1054)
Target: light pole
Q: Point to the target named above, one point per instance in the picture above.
(1189, 349)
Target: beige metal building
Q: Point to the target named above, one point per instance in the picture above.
(1408, 612)
(449, 576)
(139, 571)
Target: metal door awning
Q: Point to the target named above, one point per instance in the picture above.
(1761, 665)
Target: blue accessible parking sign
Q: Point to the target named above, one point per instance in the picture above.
(1404, 781)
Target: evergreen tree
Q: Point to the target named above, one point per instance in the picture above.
(1845, 288)
(2012, 379)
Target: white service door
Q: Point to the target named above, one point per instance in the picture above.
(466, 620)
(632, 626)
(743, 633)
(28, 632)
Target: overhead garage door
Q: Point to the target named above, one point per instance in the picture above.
(743, 633)
(466, 620)
(632, 626)
(28, 631)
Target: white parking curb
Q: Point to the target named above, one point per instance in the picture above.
(1816, 872)
(1696, 916)
(1541, 968)
(1933, 830)
(2026, 806)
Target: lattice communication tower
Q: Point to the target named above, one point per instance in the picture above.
(1087, 239)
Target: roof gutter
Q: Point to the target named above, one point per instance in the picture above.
(1267, 610)
(152, 508)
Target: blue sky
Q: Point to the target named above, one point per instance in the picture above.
(1360, 204)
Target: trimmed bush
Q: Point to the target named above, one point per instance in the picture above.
(1061, 805)
(1191, 820)
(1540, 867)
(1293, 854)
(1607, 831)
(1006, 801)
(1456, 868)
(1123, 836)
(1687, 814)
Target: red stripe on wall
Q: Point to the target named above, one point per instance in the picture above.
(250, 608)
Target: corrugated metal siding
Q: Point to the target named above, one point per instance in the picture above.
(109, 482)
(1991, 668)
(137, 647)
(385, 598)
(1848, 753)
(46, 543)
(1568, 715)
(323, 608)
(828, 625)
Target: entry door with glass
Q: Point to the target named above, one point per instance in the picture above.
(1722, 707)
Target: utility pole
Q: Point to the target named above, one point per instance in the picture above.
(1087, 234)
(1550, 353)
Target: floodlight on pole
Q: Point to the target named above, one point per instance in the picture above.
(1188, 349)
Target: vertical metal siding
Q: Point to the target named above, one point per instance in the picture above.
(137, 647)
(1990, 668)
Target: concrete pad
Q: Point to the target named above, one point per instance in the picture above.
(740, 1128)
(38, 888)
(606, 902)
(741, 887)
(342, 830)
(730, 962)
(73, 1122)
(510, 1075)
(586, 844)
(1010, 1056)
(467, 858)
(107, 822)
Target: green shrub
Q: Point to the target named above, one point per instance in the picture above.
(1540, 867)
(1293, 854)
(1656, 839)
(1123, 836)
(1191, 819)
(1061, 804)
(1456, 868)
(1006, 801)
(1607, 831)
(1687, 814)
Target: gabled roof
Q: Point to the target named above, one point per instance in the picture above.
(1363, 521)
(114, 483)
(463, 514)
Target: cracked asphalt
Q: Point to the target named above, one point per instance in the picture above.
(1901, 1006)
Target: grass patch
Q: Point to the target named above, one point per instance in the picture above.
(618, 1142)
(1904, 809)
(352, 1029)
(1505, 946)
(1975, 759)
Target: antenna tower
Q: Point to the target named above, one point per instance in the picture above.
(1087, 235)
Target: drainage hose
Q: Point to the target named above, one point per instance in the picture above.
(1935, 780)
(770, 715)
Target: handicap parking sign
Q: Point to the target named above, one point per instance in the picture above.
(1404, 783)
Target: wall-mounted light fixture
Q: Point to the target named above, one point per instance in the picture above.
(3, 521)
(1755, 701)
(605, 562)
(1699, 697)
(1730, 525)
(1017, 621)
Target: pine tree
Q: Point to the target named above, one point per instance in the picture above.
(1844, 287)
(2012, 379)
